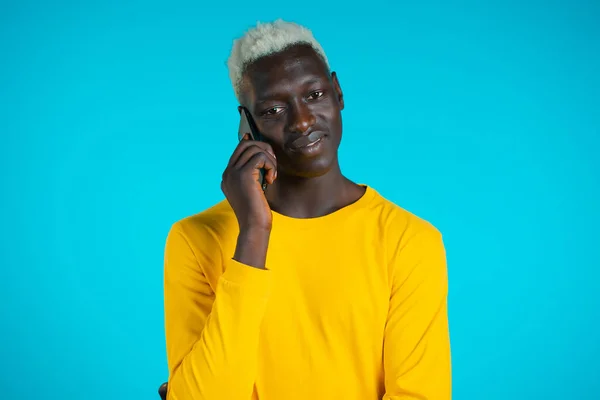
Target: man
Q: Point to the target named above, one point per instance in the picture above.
(316, 288)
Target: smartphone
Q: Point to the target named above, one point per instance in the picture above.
(247, 126)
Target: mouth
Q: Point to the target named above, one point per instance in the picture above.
(307, 141)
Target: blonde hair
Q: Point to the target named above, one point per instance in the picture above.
(266, 39)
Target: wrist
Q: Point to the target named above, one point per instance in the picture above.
(255, 229)
(252, 245)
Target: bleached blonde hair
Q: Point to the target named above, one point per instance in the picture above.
(266, 39)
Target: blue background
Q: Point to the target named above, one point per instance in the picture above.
(117, 119)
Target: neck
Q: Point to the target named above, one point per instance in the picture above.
(299, 197)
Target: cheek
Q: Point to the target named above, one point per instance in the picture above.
(330, 113)
(335, 122)
(273, 134)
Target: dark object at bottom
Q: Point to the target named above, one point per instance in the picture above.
(162, 391)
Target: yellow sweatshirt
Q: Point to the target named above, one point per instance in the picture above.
(351, 306)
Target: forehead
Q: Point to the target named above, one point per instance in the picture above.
(283, 72)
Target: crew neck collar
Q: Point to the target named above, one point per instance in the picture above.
(284, 220)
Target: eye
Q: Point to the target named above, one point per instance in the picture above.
(315, 95)
(272, 111)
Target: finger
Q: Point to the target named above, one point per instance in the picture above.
(265, 146)
(239, 149)
(271, 175)
(249, 153)
(244, 144)
(263, 160)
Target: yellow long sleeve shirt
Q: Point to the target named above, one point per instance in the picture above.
(352, 305)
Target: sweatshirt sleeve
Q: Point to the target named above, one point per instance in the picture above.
(417, 345)
(211, 336)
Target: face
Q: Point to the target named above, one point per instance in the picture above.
(296, 104)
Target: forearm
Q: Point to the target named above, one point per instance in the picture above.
(252, 245)
(417, 357)
(222, 362)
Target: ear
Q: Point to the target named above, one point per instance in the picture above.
(338, 89)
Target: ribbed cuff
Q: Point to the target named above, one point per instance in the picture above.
(247, 277)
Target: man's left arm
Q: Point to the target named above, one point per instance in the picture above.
(417, 341)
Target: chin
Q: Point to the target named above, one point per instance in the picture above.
(310, 168)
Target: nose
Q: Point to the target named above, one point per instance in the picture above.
(301, 118)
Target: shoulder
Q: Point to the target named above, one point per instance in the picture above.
(407, 238)
(413, 245)
(212, 222)
(205, 236)
(398, 223)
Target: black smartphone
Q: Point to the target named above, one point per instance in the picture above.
(247, 126)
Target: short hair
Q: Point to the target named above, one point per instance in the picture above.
(266, 39)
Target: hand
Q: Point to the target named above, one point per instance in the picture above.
(241, 185)
(162, 391)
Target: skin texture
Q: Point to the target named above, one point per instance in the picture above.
(290, 95)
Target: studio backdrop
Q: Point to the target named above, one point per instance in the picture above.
(117, 119)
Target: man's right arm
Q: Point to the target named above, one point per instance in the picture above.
(212, 337)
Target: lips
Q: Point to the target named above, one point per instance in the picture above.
(306, 140)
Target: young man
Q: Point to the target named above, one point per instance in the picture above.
(316, 288)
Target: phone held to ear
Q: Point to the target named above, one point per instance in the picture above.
(247, 126)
